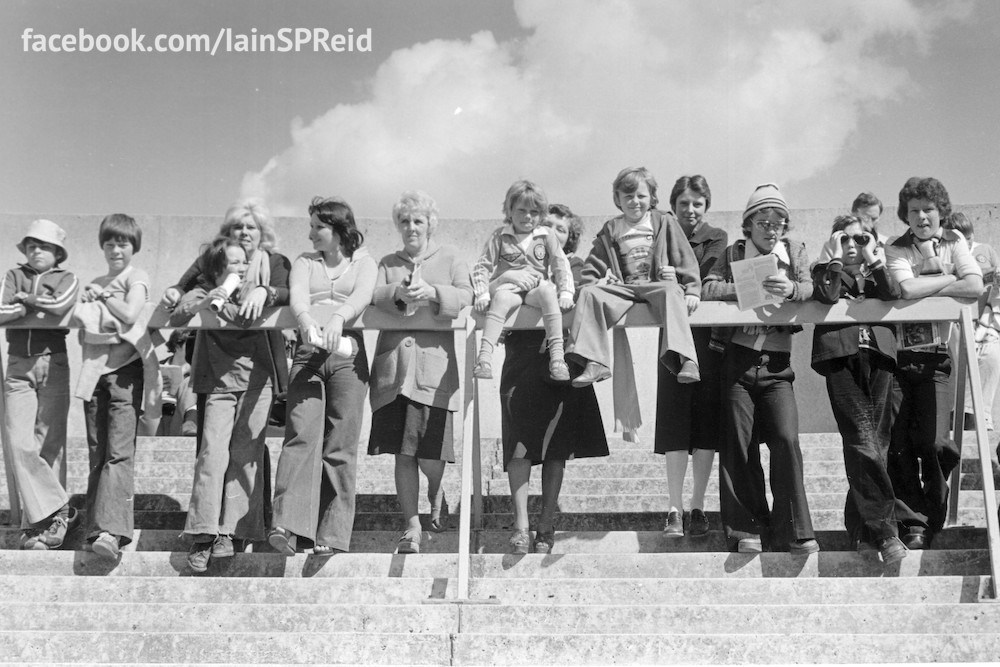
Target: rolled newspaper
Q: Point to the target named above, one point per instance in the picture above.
(229, 286)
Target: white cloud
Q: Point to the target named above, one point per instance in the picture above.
(743, 92)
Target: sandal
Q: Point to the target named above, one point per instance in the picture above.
(544, 541)
(520, 542)
(409, 543)
(283, 541)
(439, 516)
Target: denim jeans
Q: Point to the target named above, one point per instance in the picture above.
(227, 494)
(860, 389)
(922, 454)
(758, 405)
(36, 390)
(112, 416)
(315, 482)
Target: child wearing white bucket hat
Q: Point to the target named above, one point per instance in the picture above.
(36, 389)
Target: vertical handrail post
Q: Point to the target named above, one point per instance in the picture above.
(985, 457)
(470, 452)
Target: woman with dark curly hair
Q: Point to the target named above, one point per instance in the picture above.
(314, 486)
(927, 260)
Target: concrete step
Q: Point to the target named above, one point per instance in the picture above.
(662, 648)
(497, 541)
(487, 647)
(222, 616)
(249, 647)
(702, 565)
(743, 591)
(619, 619)
(390, 590)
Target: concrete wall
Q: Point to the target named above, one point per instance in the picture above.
(170, 243)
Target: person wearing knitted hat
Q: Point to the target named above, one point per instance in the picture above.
(927, 260)
(36, 389)
(758, 398)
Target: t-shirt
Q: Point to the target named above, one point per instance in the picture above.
(635, 243)
(119, 286)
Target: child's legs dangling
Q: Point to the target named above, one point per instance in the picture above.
(546, 299)
(666, 300)
(503, 302)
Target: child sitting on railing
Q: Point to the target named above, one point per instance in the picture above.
(522, 244)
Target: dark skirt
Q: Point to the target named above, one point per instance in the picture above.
(412, 429)
(688, 415)
(542, 422)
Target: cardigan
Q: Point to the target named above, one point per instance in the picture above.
(420, 365)
(670, 248)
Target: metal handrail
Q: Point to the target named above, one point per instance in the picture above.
(713, 313)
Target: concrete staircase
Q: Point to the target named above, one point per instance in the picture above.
(614, 591)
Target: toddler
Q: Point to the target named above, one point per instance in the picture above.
(514, 268)
(36, 388)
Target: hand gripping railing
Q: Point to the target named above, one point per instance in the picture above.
(933, 309)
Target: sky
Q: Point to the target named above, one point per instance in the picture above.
(461, 98)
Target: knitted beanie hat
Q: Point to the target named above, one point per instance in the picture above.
(765, 196)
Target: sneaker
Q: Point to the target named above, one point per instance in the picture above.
(520, 542)
(106, 546)
(199, 555)
(28, 537)
(674, 526)
(223, 547)
(53, 536)
(483, 369)
(803, 547)
(544, 542)
(688, 373)
(749, 545)
(892, 550)
(698, 525)
(558, 370)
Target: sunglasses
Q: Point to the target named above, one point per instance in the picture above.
(860, 239)
(771, 225)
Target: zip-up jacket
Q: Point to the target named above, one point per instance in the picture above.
(56, 284)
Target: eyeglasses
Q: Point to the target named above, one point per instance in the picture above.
(771, 225)
(859, 239)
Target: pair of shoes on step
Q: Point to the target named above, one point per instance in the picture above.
(204, 550)
(801, 547)
(698, 525)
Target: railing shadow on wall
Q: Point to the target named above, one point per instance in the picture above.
(934, 309)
